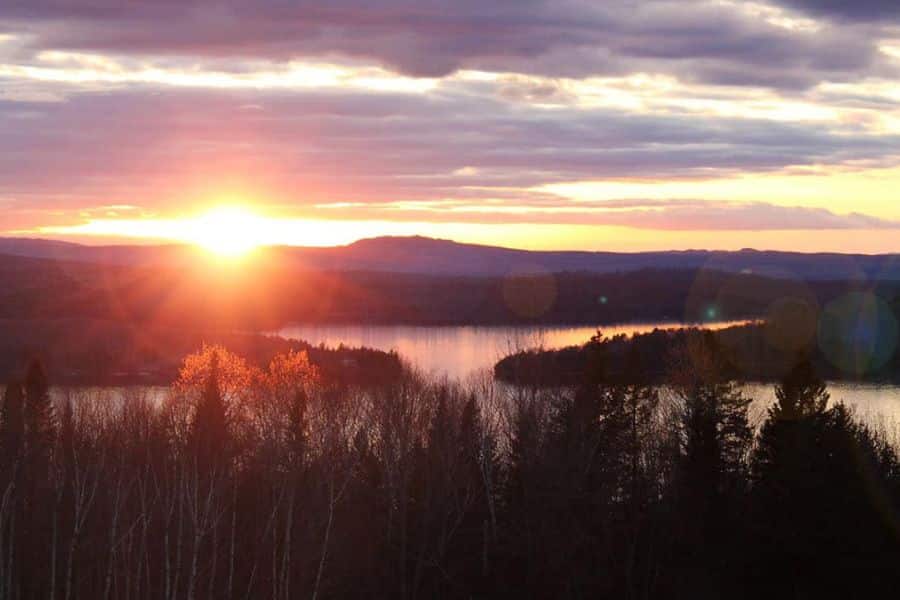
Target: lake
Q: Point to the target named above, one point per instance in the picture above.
(877, 405)
(459, 351)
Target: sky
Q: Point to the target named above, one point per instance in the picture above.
(549, 124)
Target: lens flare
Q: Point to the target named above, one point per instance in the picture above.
(858, 333)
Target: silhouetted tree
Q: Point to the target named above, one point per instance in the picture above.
(39, 417)
(801, 394)
(35, 517)
(711, 477)
(821, 488)
(788, 441)
(269, 483)
(209, 430)
(478, 459)
(12, 423)
(12, 478)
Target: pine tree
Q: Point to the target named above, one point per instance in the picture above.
(641, 409)
(716, 431)
(711, 475)
(38, 417)
(209, 431)
(790, 434)
(801, 394)
(820, 487)
(790, 473)
(522, 464)
(716, 438)
(12, 423)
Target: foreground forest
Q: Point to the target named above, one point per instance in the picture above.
(281, 483)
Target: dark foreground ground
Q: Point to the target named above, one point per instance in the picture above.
(252, 482)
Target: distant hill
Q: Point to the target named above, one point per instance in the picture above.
(419, 255)
(113, 254)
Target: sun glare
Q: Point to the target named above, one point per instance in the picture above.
(228, 231)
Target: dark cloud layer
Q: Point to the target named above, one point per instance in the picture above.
(133, 144)
(471, 149)
(695, 40)
(860, 10)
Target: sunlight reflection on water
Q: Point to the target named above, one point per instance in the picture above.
(459, 351)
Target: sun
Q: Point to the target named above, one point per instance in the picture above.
(228, 231)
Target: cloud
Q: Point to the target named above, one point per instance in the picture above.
(855, 10)
(169, 103)
(743, 216)
(695, 40)
(658, 215)
(151, 145)
(451, 155)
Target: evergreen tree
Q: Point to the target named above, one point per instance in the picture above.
(12, 476)
(716, 434)
(716, 439)
(36, 506)
(523, 488)
(789, 439)
(641, 410)
(12, 423)
(522, 464)
(38, 417)
(821, 488)
(711, 476)
(209, 431)
(800, 394)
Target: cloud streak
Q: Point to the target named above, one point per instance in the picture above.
(132, 145)
(858, 10)
(698, 40)
(661, 215)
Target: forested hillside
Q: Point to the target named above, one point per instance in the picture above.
(271, 482)
(263, 296)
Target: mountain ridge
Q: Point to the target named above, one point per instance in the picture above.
(430, 256)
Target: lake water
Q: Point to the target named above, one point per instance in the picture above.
(877, 405)
(874, 404)
(459, 351)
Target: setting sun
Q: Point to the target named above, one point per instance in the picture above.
(228, 231)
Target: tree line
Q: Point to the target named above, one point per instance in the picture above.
(275, 293)
(756, 351)
(110, 353)
(276, 483)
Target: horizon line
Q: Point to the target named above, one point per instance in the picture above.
(173, 244)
